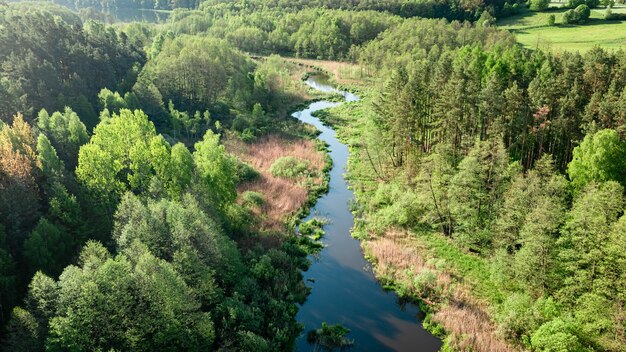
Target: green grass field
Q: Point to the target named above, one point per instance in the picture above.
(532, 31)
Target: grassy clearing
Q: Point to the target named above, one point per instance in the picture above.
(532, 31)
(283, 197)
(342, 72)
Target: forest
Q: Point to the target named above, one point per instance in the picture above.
(140, 209)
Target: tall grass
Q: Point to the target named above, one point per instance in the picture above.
(402, 262)
(283, 197)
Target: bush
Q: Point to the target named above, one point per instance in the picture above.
(515, 317)
(579, 15)
(312, 228)
(557, 335)
(251, 198)
(539, 5)
(245, 172)
(425, 283)
(568, 17)
(290, 167)
(551, 20)
(582, 13)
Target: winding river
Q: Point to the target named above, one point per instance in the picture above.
(344, 289)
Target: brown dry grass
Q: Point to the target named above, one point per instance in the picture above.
(465, 319)
(344, 72)
(283, 197)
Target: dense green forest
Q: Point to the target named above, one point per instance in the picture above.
(121, 226)
(517, 159)
(117, 194)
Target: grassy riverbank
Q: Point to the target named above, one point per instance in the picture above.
(453, 286)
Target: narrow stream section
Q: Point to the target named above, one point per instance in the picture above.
(344, 289)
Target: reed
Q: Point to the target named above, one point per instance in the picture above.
(401, 260)
(283, 197)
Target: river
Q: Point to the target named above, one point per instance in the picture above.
(344, 289)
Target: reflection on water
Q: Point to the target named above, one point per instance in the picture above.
(344, 289)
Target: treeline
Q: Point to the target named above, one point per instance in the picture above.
(116, 5)
(473, 83)
(314, 33)
(515, 155)
(119, 226)
(449, 9)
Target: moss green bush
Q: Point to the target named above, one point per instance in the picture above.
(290, 167)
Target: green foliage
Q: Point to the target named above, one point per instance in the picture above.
(114, 102)
(585, 236)
(245, 172)
(22, 332)
(48, 248)
(476, 191)
(312, 228)
(49, 60)
(557, 335)
(215, 169)
(330, 337)
(515, 317)
(66, 133)
(600, 157)
(551, 20)
(539, 5)
(195, 72)
(290, 167)
(178, 230)
(572, 4)
(393, 205)
(51, 166)
(118, 156)
(253, 199)
(106, 294)
(578, 15)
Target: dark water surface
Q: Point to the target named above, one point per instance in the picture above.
(344, 289)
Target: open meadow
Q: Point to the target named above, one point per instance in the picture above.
(532, 30)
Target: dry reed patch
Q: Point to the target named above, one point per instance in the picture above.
(400, 258)
(282, 196)
(344, 72)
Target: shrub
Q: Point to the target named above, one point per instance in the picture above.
(290, 167)
(582, 13)
(403, 208)
(251, 198)
(557, 335)
(539, 5)
(312, 228)
(551, 20)
(425, 283)
(329, 338)
(245, 172)
(515, 317)
(568, 17)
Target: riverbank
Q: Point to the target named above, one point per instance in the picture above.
(453, 286)
(343, 287)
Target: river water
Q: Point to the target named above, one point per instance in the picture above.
(344, 289)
